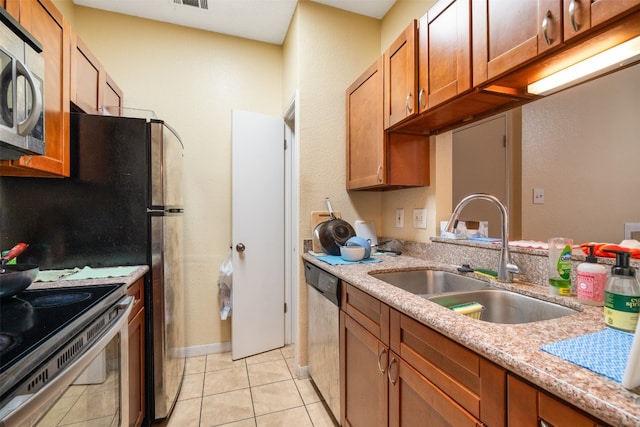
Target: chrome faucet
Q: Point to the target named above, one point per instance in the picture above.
(506, 267)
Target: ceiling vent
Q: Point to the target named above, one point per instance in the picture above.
(200, 4)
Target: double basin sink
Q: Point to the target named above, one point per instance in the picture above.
(450, 289)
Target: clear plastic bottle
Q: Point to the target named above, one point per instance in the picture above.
(622, 295)
(592, 280)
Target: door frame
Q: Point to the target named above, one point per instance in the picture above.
(292, 253)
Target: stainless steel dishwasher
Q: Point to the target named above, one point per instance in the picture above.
(323, 306)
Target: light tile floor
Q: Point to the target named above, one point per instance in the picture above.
(259, 391)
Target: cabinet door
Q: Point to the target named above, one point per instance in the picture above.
(581, 15)
(444, 53)
(415, 401)
(136, 355)
(509, 33)
(400, 78)
(363, 376)
(112, 97)
(528, 407)
(136, 370)
(47, 25)
(85, 77)
(365, 135)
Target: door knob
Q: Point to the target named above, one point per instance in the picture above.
(240, 247)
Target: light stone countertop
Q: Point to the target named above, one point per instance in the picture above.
(514, 347)
(128, 280)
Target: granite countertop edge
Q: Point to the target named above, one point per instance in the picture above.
(127, 280)
(514, 347)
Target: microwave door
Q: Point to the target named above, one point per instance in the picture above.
(7, 95)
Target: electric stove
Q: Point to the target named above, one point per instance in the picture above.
(35, 323)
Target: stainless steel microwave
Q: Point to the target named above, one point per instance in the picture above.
(21, 91)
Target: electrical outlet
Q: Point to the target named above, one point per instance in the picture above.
(399, 218)
(420, 218)
(538, 196)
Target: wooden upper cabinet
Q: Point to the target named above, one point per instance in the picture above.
(582, 15)
(43, 20)
(444, 53)
(85, 77)
(92, 89)
(112, 97)
(366, 164)
(379, 160)
(400, 100)
(507, 34)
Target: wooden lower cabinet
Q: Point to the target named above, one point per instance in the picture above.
(136, 355)
(380, 388)
(363, 363)
(530, 407)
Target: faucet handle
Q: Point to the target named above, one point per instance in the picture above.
(512, 267)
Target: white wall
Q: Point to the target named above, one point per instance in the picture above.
(192, 79)
(582, 146)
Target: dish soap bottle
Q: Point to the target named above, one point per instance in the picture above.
(622, 295)
(592, 280)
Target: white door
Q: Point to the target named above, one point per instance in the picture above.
(480, 166)
(258, 220)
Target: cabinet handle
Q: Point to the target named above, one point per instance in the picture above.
(543, 423)
(572, 16)
(391, 363)
(379, 174)
(421, 99)
(545, 28)
(381, 367)
(407, 103)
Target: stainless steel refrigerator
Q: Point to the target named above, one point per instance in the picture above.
(122, 205)
(156, 148)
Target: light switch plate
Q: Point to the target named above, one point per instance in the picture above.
(538, 196)
(632, 230)
(399, 218)
(420, 218)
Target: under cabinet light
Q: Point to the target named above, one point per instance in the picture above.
(608, 60)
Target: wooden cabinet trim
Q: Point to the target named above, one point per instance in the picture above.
(369, 312)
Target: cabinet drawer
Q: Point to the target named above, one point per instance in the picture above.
(414, 400)
(367, 311)
(136, 290)
(472, 381)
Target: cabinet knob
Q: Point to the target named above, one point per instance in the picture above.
(572, 16)
(545, 28)
(391, 363)
(407, 103)
(240, 247)
(421, 101)
(381, 366)
(379, 174)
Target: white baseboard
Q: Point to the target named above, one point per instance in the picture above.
(200, 350)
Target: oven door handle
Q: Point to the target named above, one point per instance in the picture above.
(30, 410)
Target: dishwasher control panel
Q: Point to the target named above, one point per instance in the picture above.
(327, 284)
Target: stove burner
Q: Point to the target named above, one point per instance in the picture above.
(7, 341)
(59, 300)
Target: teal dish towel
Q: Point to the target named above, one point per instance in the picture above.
(336, 260)
(605, 352)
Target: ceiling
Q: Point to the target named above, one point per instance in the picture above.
(262, 20)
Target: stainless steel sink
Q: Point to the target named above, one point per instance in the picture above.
(502, 306)
(429, 282)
